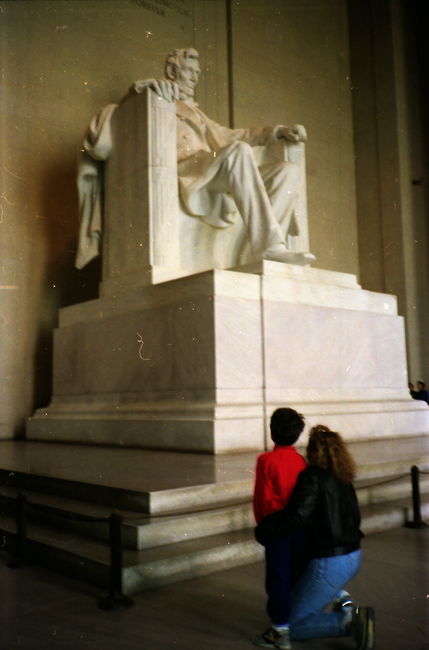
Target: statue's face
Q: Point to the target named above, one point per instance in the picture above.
(187, 75)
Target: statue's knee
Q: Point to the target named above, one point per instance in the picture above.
(289, 170)
(242, 148)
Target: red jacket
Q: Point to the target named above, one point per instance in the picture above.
(276, 475)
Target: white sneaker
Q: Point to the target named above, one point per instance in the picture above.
(339, 604)
(272, 639)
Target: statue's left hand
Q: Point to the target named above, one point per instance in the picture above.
(164, 88)
(295, 133)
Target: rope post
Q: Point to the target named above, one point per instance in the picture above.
(21, 532)
(415, 486)
(115, 596)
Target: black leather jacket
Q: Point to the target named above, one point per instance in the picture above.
(325, 507)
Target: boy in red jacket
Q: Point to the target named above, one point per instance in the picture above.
(276, 475)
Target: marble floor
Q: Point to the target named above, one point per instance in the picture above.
(149, 470)
(131, 469)
(43, 611)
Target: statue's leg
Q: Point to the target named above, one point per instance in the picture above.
(281, 180)
(239, 176)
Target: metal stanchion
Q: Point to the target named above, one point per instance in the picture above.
(21, 532)
(115, 597)
(417, 514)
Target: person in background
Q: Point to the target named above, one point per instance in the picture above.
(276, 475)
(325, 506)
(421, 393)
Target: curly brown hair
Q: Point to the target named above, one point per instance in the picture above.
(328, 450)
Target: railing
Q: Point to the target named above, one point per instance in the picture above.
(417, 508)
(115, 596)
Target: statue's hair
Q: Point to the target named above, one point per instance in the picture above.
(176, 58)
(328, 450)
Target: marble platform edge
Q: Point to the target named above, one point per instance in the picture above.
(213, 439)
(285, 290)
(95, 492)
(220, 490)
(16, 454)
(298, 285)
(300, 273)
(171, 501)
(190, 501)
(206, 284)
(211, 427)
(195, 411)
(72, 408)
(228, 494)
(178, 499)
(160, 274)
(209, 436)
(183, 399)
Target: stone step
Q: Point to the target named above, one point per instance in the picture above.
(184, 514)
(144, 501)
(166, 482)
(154, 567)
(141, 532)
(190, 497)
(116, 497)
(373, 490)
(138, 532)
(395, 450)
(89, 560)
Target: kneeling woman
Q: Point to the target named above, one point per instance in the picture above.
(324, 504)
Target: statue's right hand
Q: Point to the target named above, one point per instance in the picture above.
(164, 88)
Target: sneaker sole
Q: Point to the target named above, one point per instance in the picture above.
(367, 640)
(261, 643)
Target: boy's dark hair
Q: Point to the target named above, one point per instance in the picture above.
(286, 426)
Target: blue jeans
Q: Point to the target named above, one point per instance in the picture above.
(320, 583)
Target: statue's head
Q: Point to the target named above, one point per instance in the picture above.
(182, 66)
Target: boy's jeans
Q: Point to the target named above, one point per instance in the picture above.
(284, 564)
(318, 586)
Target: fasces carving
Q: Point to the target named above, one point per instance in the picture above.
(222, 174)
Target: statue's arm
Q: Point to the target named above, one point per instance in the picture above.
(268, 134)
(262, 135)
(164, 88)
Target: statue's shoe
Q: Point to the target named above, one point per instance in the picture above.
(279, 253)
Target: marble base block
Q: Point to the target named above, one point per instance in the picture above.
(199, 363)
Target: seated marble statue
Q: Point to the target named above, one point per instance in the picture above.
(217, 169)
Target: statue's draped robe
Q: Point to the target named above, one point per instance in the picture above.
(96, 149)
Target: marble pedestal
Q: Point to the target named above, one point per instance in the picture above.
(199, 363)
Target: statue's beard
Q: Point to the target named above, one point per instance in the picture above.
(186, 92)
